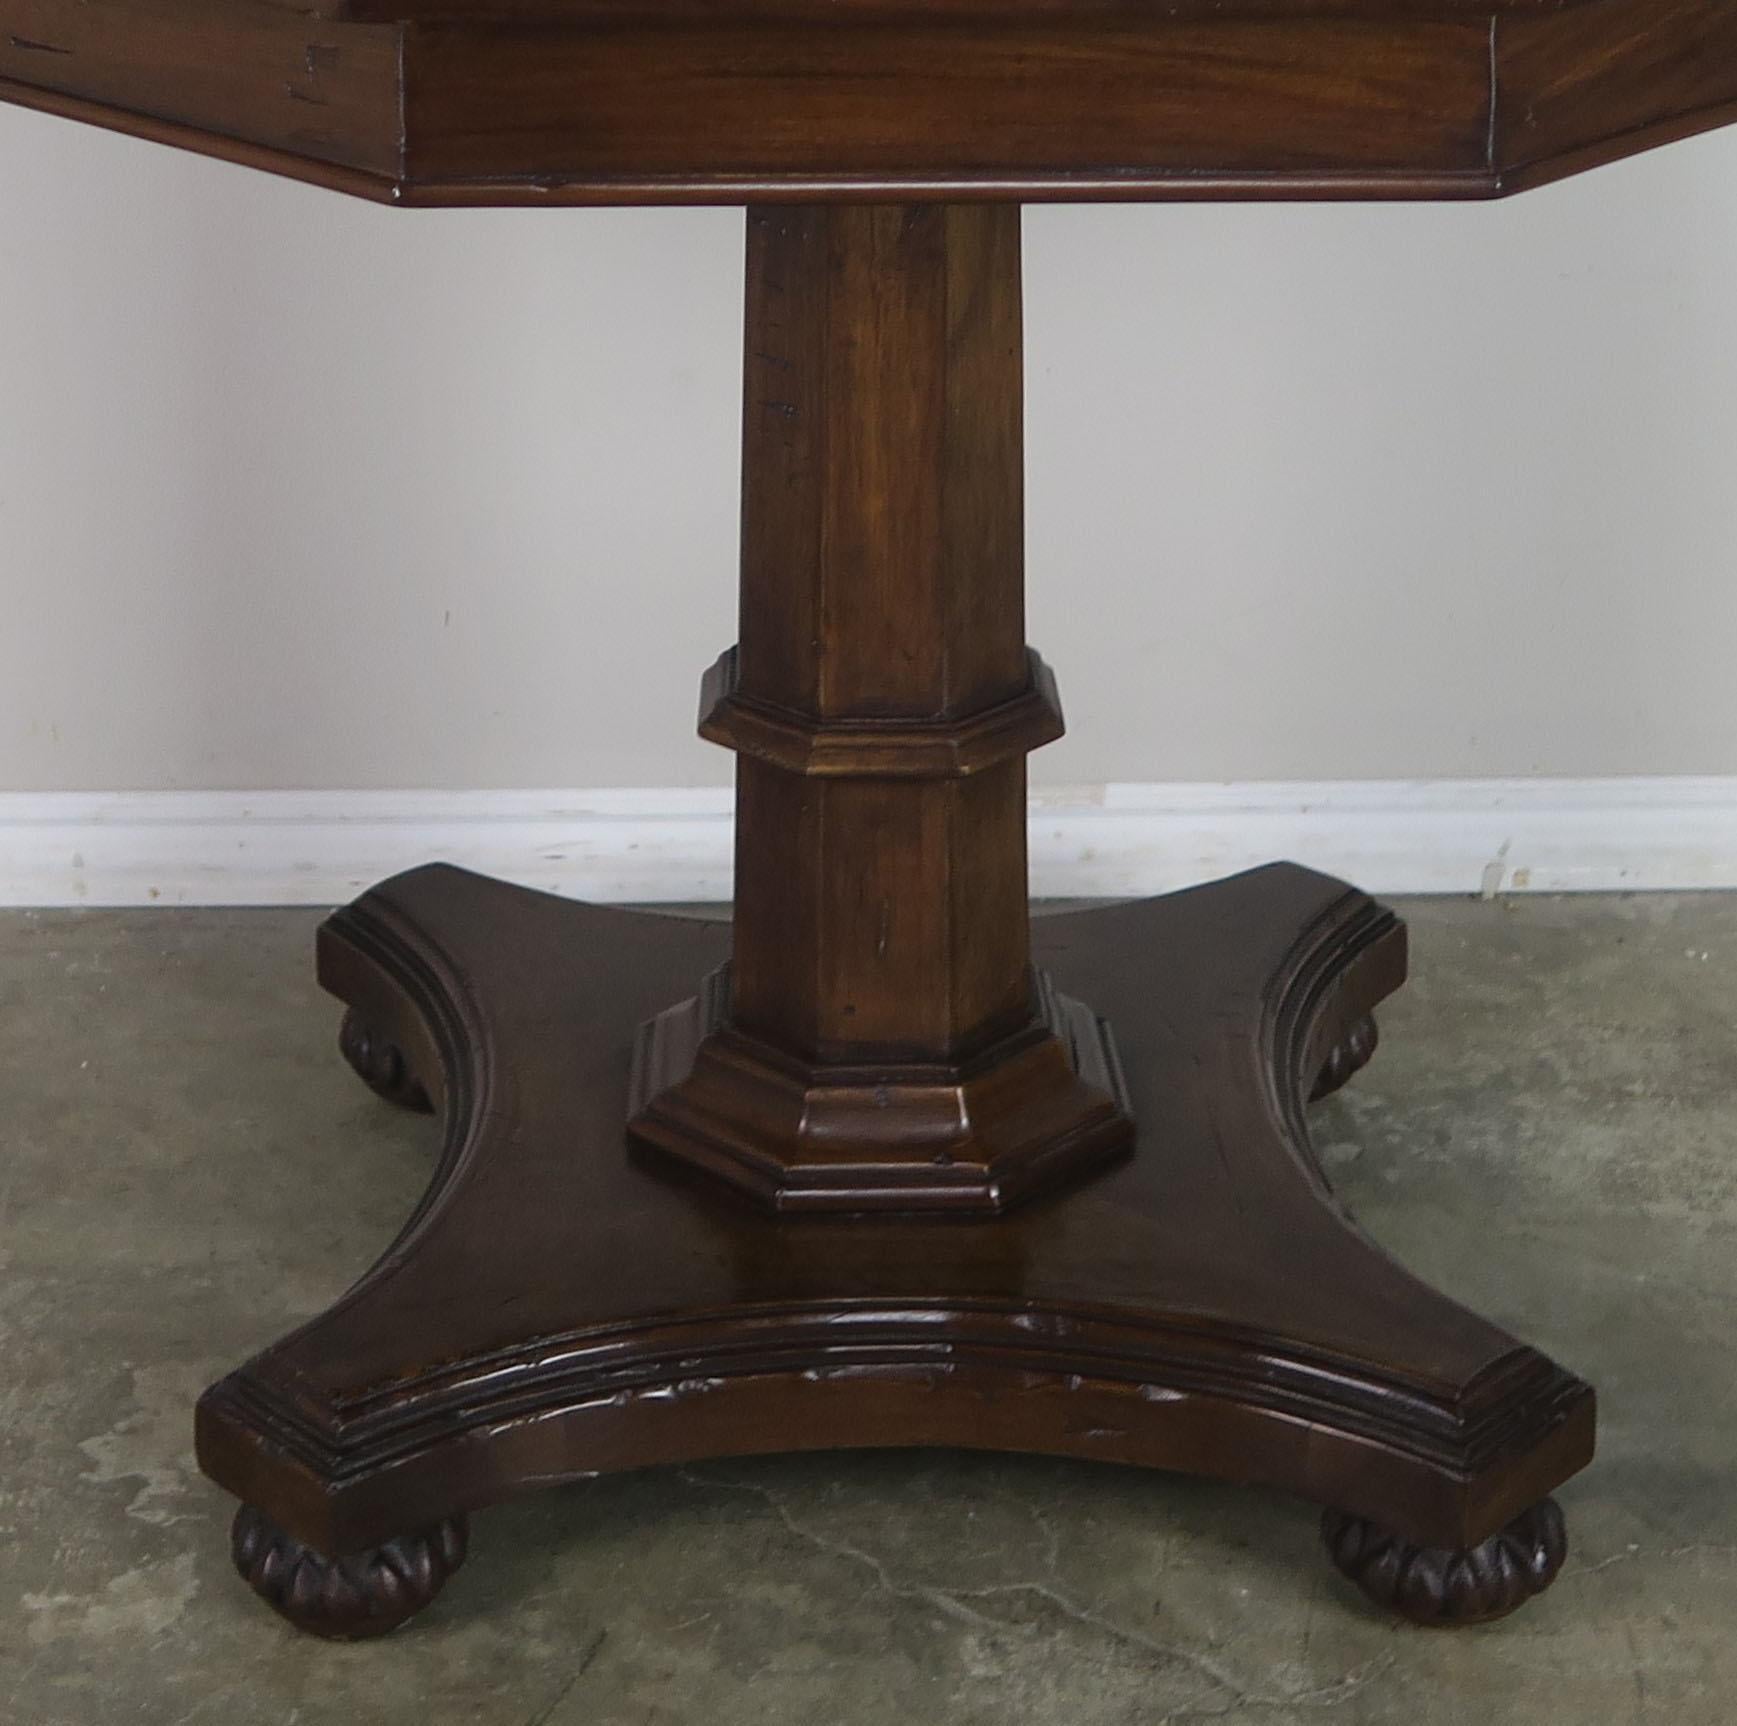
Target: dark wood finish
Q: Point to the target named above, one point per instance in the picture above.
(809, 1240)
(1615, 76)
(879, 1038)
(1354, 1051)
(346, 1598)
(259, 75)
(1447, 1587)
(380, 1065)
(592, 101)
(556, 1308)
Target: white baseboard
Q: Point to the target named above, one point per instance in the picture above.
(1391, 836)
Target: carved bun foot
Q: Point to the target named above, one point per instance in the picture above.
(1437, 1585)
(1349, 1056)
(380, 1065)
(344, 1599)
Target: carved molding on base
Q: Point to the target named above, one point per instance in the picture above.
(1038, 1109)
(555, 1308)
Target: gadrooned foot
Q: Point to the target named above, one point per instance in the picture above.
(344, 1599)
(1350, 1055)
(1446, 1586)
(380, 1065)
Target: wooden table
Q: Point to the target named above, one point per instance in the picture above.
(886, 1163)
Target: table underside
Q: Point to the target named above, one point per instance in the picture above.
(586, 101)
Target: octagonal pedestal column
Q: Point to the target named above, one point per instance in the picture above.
(880, 1039)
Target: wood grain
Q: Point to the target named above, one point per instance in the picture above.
(631, 1251)
(247, 72)
(880, 1039)
(556, 1308)
(984, 98)
(1611, 78)
(532, 102)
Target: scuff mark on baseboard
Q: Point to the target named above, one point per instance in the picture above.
(1494, 870)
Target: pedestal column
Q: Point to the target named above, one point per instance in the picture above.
(879, 1039)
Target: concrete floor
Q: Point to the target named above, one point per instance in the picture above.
(1549, 1132)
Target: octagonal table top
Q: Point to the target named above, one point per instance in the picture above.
(666, 101)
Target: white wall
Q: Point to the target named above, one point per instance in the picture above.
(296, 492)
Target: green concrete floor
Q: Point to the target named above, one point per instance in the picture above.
(186, 1169)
